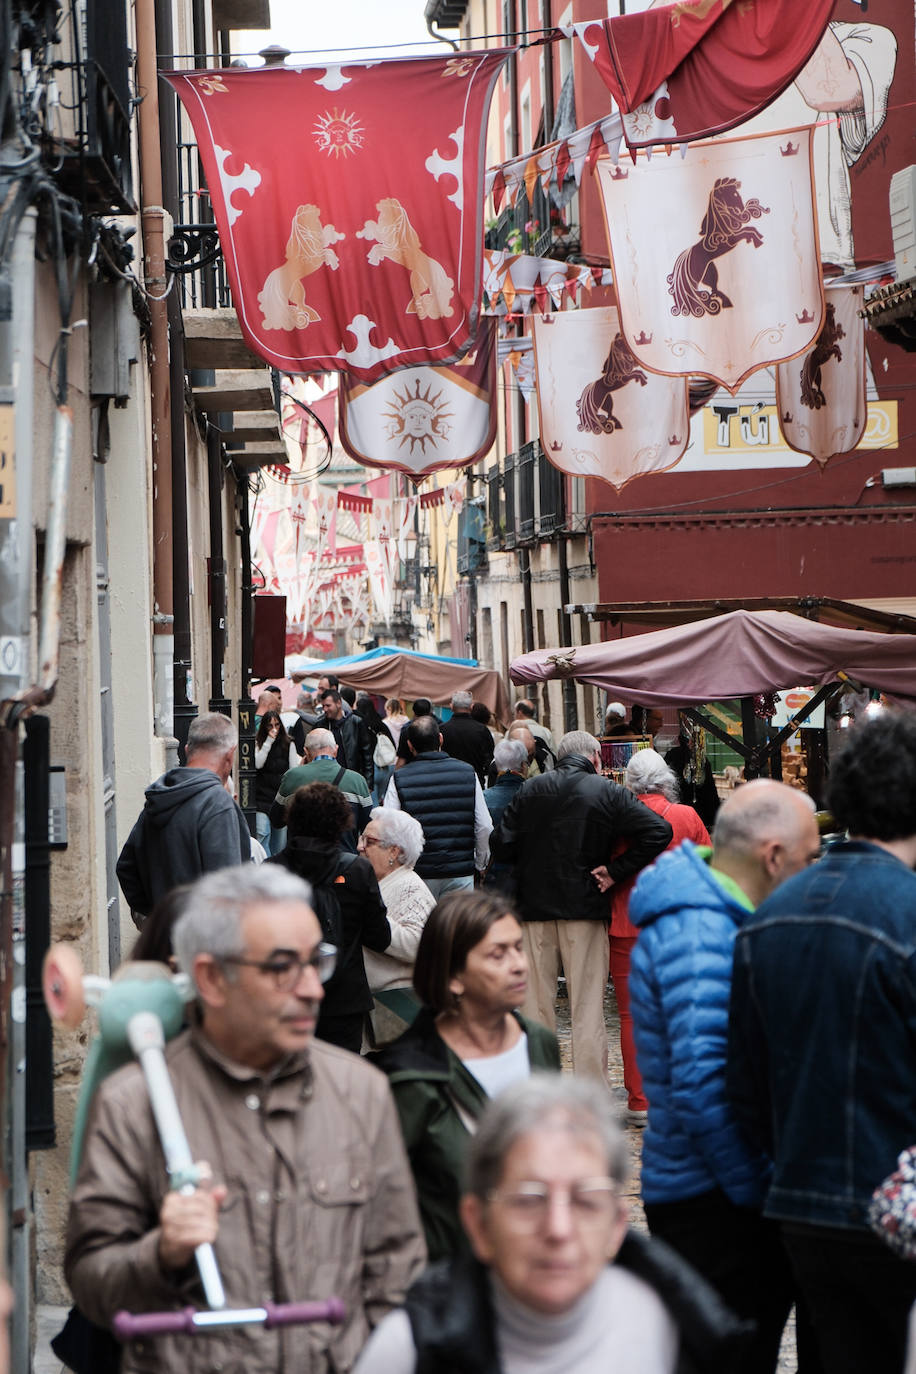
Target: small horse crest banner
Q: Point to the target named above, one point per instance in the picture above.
(602, 414)
(423, 419)
(821, 396)
(349, 202)
(715, 257)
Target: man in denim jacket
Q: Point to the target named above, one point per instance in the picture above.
(822, 1049)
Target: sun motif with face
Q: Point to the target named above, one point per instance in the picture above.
(418, 419)
(338, 134)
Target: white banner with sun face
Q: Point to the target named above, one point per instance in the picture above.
(423, 419)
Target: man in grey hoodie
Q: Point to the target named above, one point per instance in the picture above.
(189, 824)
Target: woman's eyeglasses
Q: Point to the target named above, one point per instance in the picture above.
(527, 1205)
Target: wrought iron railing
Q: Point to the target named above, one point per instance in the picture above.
(194, 250)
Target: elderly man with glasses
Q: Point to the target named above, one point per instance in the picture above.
(311, 1196)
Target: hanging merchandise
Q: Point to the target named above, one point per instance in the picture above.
(601, 414)
(349, 206)
(424, 419)
(820, 397)
(730, 283)
(700, 67)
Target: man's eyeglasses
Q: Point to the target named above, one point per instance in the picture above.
(526, 1205)
(286, 970)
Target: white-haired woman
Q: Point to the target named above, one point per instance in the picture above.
(556, 1280)
(651, 780)
(392, 842)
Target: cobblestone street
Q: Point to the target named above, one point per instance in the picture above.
(788, 1363)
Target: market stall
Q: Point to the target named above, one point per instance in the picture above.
(406, 674)
(742, 654)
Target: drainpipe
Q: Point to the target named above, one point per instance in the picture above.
(183, 707)
(153, 221)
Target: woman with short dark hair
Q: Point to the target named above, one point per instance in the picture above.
(467, 1043)
(346, 900)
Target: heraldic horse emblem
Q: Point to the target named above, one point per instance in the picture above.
(694, 282)
(431, 289)
(827, 347)
(282, 298)
(595, 407)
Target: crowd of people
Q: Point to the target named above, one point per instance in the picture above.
(371, 1076)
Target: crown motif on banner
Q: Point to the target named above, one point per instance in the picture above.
(619, 174)
(790, 149)
(805, 317)
(787, 418)
(674, 439)
(547, 319)
(643, 338)
(556, 447)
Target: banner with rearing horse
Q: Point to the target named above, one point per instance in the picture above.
(715, 257)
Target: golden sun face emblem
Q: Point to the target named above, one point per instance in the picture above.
(417, 419)
(338, 134)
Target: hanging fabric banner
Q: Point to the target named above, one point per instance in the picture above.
(424, 419)
(349, 205)
(731, 282)
(820, 397)
(602, 415)
(379, 578)
(700, 67)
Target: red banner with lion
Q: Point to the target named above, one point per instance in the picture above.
(349, 202)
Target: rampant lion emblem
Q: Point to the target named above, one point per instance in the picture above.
(431, 289)
(694, 282)
(282, 299)
(595, 407)
(825, 348)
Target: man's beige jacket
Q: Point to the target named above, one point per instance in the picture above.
(321, 1204)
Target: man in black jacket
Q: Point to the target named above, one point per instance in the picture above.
(355, 745)
(465, 738)
(560, 832)
(189, 825)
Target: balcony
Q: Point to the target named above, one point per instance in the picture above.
(549, 235)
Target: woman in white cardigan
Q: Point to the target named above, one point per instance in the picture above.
(392, 842)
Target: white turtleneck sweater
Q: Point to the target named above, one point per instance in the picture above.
(620, 1323)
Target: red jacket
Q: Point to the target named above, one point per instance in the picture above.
(686, 825)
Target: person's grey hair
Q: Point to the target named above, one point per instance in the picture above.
(760, 810)
(615, 709)
(317, 740)
(647, 771)
(211, 922)
(577, 742)
(510, 756)
(211, 733)
(543, 1102)
(461, 701)
(303, 699)
(400, 828)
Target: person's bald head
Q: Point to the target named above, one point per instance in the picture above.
(266, 702)
(765, 833)
(521, 732)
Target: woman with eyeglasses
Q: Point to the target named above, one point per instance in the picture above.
(392, 842)
(346, 900)
(468, 1042)
(556, 1283)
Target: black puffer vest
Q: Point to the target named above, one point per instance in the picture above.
(439, 792)
(270, 775)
